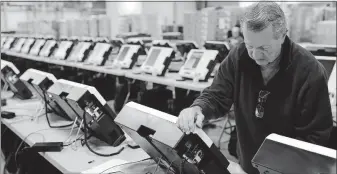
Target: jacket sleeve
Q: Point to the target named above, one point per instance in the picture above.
(217, 99)
(314, 123)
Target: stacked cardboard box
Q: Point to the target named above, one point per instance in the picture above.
(136, 23)
(85, 22)
(124, 23)
(151, 24)
(63, 29)
(326, 33)
(190, 21)
(329, 13)
(93, 26)
(71, 25)
(303, 22)
(227, 18)
(206, 25)
(104, 26)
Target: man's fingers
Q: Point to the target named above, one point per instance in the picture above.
(200, 119)
(191, 121)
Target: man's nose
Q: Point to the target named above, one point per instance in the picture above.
(257, 54)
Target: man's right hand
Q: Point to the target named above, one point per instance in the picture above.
(189, 118)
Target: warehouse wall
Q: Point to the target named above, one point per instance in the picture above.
(17, 15)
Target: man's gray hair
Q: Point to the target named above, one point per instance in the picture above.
(261, 14)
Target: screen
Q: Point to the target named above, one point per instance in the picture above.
(328, 65)
(153, 57)
(18, 46)
(77, 49)
(61, 52)
(123, 53)
(26, 46)
(192, 62)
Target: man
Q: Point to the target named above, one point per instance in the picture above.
(236, 37)
(276, 86)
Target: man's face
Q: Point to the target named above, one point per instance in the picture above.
(262, 46)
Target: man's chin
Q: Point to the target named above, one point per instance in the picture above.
(261, 62)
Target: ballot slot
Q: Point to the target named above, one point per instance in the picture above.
(40, 82)
(80, 52)
(38, 45)
(9, 43)
(18, 45)
(27, 45)
(293, 156)
(158, 61)
(63, 50)
(10, 75)
(100, 54)
(48, 48)
(199, 64)
(158, 135)
(127, 57)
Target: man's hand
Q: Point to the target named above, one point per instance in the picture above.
(189, 118)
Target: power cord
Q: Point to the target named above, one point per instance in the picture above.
(46, 110)
(228, 125)
(182, 166)
(86, 141)
(125, 164)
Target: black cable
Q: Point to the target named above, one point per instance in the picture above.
(79, 138)
(182, 166)
(46, 110)
(158, 165)
(7, 161)
(224, 131)
(86, 141)
(230, 127)
(169, 167)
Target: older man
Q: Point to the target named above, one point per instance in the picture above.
(276, 87)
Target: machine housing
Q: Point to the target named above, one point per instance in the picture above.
(81, 51)
(99, 115)
(282, 155)
(158, 135)
(63, 50)
(10, 76)
(38, 45)
(127, 56)
(100, 54)
(40, 82)
(199, 64)
(158, 60)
